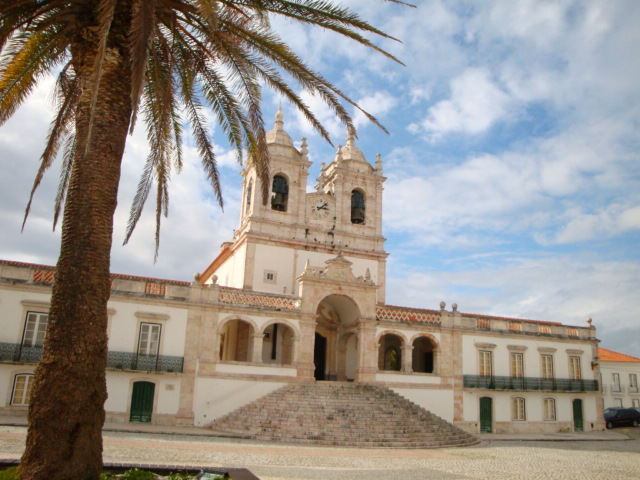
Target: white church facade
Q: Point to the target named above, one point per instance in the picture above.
(299, 295)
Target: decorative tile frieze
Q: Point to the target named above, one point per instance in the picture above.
(241, 297)
(400, 314)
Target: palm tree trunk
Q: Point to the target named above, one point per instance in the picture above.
(66, 411)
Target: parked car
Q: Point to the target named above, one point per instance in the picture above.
(617, 417)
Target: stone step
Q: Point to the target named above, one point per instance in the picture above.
(341, 414)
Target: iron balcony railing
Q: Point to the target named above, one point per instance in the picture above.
(15, 352)
(530, 383)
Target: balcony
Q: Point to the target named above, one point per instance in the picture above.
(15, 352)
(530, 383)
(147, 363)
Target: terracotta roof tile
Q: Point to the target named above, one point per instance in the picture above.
(611, 356)
(114, 275)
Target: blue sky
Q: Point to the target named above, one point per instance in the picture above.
(512, 162)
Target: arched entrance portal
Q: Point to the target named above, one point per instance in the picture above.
(336, 341)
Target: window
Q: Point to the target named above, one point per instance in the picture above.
(280, 193)
(518, 409)
(547, 366)
(517, 367)
(549, 409)
(635, 403)
(149, 340)
(248, 198)
(485, 363)
(617, 402)
(35, 329)
(22, 389)
(270, 276)
(633, 383)
(574, 368)
(616, 383)
(357, 206)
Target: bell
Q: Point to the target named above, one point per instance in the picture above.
(357, 215)
(278, 202)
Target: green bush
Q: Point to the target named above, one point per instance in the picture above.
(137, 474)
(10, 473)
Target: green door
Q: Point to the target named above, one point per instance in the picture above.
(486, 411)
(142, 402)
(577, 415)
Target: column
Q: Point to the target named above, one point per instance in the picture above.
(256, 356)
(367, 366)
(407, 358)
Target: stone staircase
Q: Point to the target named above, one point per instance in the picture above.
(341, 414)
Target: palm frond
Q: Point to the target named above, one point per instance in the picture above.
(143, 26)
(26, 60)
(65, 176)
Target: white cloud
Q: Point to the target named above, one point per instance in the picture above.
(378, 105)
(553, 288)
(475, 105)
(608, 222)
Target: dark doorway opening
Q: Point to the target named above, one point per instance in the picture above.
(142, 402)
(578, 424)
(320, 357)
(486, 414)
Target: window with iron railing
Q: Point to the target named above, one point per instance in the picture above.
(485, 363)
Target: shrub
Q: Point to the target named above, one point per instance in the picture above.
(10, 473)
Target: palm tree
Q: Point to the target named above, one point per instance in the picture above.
(115, 60)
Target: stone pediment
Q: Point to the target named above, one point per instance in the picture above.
(337, 269)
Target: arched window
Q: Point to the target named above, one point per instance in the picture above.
(248, 198)
(280, 193)
(357, 207)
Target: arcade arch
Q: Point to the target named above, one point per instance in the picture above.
(390, 346)
(424, 354)
(336, 341)
(278, 344)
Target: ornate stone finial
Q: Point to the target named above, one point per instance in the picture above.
(351, 136)
(442, 305)
(378, 162)
(454, 307)
(322, 168)
(339, 155)
(590, 322)
(279, 119)
(214, 279)
(196, 276)
(307, 266)
(367, 275)
(304, 150)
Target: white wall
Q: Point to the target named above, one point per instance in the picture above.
(438, 402)
(215, 398)
(532, 362)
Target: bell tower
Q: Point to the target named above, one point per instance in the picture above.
(289, 171)
(274, 242)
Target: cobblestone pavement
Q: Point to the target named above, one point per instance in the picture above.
(494, 459)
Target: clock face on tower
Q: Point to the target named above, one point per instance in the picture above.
(320, 207)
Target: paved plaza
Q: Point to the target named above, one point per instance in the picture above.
(601, 455)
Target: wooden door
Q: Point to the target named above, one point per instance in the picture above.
(142, 402)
